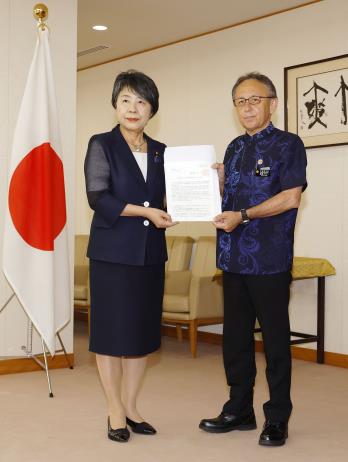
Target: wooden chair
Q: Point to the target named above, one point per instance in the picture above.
(192, 297)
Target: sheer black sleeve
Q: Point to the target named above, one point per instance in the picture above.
(97, 175)
(97, 172)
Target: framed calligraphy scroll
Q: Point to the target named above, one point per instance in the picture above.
(316, 101)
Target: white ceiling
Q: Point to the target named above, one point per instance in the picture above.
(137, 25)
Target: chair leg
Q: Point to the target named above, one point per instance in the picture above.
(193, 336)
(179, 332)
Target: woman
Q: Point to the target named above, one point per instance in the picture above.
(125, 188)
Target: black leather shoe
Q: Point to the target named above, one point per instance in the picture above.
(119, 434)
(228, 422)
(143, 428)
(274, 433)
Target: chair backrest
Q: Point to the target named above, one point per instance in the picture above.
(179, 250)
(204, 260)
(81, 242)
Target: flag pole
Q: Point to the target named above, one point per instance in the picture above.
(40, 12)
(28, 349)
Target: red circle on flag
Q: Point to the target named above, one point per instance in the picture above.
(37, 197)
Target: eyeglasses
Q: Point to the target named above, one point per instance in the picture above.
(253, 100)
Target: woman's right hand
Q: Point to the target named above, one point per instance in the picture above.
(160, 218)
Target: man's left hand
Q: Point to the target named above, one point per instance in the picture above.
(227, 221)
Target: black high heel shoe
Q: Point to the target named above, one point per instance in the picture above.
(120, 435)
(143, 428)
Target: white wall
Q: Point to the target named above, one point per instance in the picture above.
(18, 38)
(195, 80)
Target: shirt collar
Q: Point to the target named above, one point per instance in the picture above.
(260, 135)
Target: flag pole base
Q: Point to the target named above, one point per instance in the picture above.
(28, 349)
(50, 394)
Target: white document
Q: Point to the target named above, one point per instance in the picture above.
(192, 186)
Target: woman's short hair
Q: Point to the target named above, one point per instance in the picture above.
(259, 77)
(140, 84)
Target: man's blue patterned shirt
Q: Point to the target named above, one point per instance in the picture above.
(257, 168)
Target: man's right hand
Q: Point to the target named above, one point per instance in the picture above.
(227, 221)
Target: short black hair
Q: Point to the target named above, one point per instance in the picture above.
(256, 76)
(140, 84)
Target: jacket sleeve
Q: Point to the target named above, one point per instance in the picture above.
(97, 176)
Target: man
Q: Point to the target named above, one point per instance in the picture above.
(263, 175)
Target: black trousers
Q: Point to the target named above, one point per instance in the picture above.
(265, 297)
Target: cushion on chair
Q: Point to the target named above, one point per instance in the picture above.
(167, 316)
(176, 303)
(177, 282)
(80, 292)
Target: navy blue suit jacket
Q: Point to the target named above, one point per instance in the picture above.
(115, 238)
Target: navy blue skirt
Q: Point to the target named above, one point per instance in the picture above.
(126, 308)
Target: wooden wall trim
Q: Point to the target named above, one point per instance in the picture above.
(305, 354)
(191, 37)
(17, 365)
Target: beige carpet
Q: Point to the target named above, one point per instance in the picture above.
(177, 393)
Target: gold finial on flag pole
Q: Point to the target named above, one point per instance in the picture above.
(40, 12)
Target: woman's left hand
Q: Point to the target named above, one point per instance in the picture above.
(160, 218)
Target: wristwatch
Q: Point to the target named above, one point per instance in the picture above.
(245, 218)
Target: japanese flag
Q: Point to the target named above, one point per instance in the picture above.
(35, 254)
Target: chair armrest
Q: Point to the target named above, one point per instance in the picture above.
(206, 297)
(177, 282)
